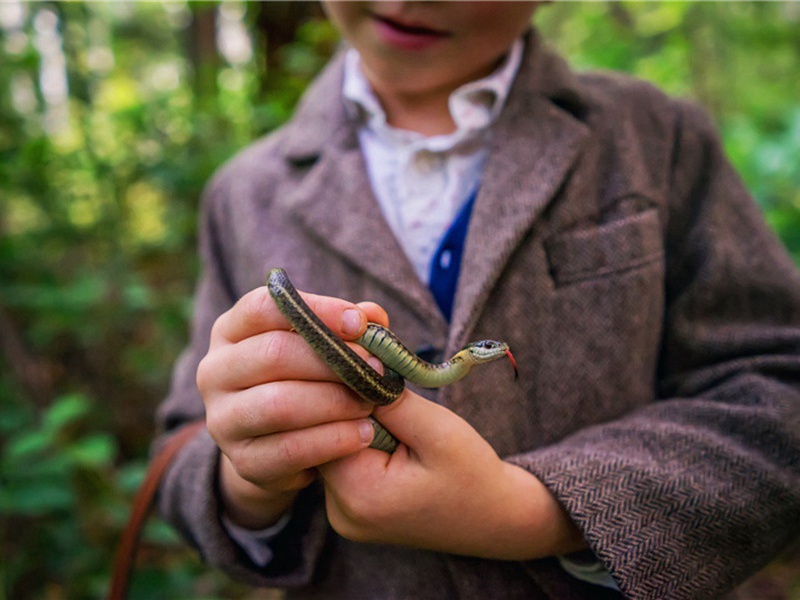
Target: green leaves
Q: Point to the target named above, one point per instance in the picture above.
(738, 59)
(40, 463)
(99, 187)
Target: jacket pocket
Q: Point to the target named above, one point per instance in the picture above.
(589, 253)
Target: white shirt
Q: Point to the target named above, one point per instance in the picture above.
(422, 182)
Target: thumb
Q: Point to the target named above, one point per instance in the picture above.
(425, 427)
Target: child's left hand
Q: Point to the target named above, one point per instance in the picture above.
(444, 489)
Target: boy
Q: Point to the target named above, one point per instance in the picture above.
(453, 171)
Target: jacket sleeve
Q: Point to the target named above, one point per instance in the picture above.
(188, 495)
(690, 495)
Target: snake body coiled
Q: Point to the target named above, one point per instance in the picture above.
(399, 361)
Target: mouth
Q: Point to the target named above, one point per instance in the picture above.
(407, 34)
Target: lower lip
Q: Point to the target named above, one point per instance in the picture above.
(406, 40)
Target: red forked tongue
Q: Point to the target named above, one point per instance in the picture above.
(513, 364)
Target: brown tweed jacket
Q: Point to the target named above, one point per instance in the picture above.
(655, 319)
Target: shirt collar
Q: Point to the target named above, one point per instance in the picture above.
(474, 106)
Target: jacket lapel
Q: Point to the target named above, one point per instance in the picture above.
(535, 144)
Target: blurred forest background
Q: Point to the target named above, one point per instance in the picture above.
(113, 116)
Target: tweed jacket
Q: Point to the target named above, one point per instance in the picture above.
(654, 317)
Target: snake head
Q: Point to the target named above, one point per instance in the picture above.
(489, 350)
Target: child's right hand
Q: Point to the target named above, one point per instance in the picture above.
(274, 408)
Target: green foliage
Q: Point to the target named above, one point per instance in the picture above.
(99, 187)
(52, 473)
(112, 118)
(61, 485)
(738, 59)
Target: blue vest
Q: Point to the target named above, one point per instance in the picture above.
(446, 262)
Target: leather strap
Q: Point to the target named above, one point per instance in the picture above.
(142, 504)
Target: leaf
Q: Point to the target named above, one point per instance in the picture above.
(41, 498)
(95, 450)
(130, 476)
(26, 446)
(65, 410)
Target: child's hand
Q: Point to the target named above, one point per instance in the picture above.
(274, 409)
(444, 489)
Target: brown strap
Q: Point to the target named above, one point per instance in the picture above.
(129, 542)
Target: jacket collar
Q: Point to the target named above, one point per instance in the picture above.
(537, 139)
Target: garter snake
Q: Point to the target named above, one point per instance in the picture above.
(400, 363)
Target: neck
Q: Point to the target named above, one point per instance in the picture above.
(428, 114)
(447, 372)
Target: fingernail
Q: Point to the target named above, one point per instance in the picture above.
(367, 431)
(351, 322)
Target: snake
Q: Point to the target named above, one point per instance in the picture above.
(400, 363)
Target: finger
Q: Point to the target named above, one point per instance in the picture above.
(256, 312)
(263, 358)
(426, 427)
(258, 359)
(284, 454)
(375, 313)
(282, 406)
